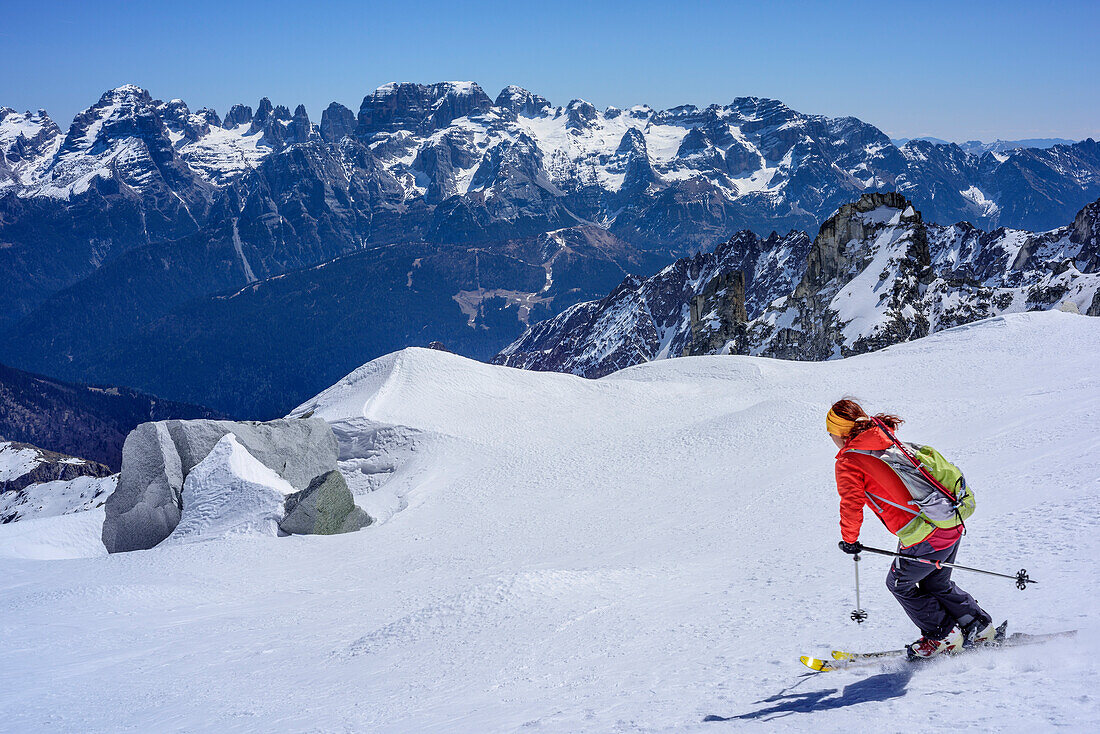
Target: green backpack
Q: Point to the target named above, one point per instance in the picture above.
(940, 494)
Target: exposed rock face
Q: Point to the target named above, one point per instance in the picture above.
(519, 101)
(239, 114)
(718, 314)
(420, 107)
(325, 507)
(879, 275)
(146, 505)
(157, 458)
(1086, 233)
(337, 123)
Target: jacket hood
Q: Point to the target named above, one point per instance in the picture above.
(870, 440)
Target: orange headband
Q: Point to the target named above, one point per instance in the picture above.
(838, 426)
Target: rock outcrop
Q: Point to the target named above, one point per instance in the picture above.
(158, 457)
(718, 314)
(325, 507)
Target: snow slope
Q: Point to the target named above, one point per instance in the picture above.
(625, 554)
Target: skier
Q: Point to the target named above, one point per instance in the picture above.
(948, 617)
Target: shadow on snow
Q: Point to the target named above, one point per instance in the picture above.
(880, 687)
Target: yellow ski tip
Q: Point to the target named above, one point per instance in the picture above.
(838, 655)
(813, 663)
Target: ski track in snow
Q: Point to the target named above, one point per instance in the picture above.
(628, 554)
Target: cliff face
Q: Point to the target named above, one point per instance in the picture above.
(877, 274)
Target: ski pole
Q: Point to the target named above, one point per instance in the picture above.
(1020, 577)
(858, 615)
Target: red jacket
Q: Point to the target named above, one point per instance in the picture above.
(859, 474)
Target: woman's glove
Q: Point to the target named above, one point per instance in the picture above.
(851, 548)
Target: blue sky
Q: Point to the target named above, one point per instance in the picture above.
(955, 70)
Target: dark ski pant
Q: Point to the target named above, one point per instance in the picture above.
(928, 595)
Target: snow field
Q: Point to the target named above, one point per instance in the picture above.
(627, 554)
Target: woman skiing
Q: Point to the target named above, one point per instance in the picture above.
(948, 617)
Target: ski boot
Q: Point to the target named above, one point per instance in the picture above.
(927, 647)
(981, 631)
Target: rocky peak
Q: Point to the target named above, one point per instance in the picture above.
(128, 94)
(337, 122)
(453, 100)
(579, 115)
(418, 107)
(852, 222)
(281, 112)
(239, 114)
(300, 127)
(25, 135)
(209, 116)
(638, 172)
(124, 112)
(522, 102)
(178, 118)
(263, 113)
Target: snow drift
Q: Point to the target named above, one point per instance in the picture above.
(625, 554)
(230, 492)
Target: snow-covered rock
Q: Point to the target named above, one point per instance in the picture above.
(229, 493)
(158, 457)
(22, 464)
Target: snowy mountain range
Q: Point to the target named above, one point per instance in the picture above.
(147, 242)
(979, 147)
(876, 274)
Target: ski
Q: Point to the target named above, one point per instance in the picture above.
(842, 660)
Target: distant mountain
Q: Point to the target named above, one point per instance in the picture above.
(143, 210)
(651, 318)
(79, 420)
(39, 483)
(977, 147)
(876, 274)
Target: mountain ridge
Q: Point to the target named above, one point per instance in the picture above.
(876, 274)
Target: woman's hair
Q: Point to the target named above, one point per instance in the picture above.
(849, 409)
